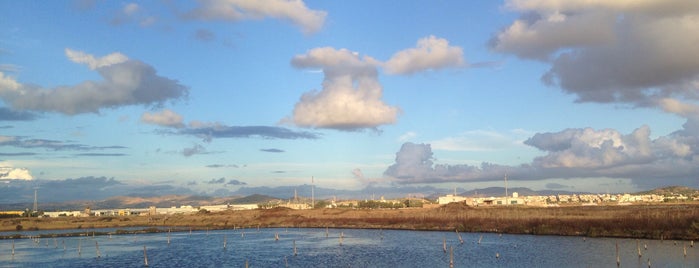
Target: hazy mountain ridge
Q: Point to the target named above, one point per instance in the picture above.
(256, 195)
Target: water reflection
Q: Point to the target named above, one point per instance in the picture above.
(357, 248)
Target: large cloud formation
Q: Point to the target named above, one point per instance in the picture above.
(351, 95)
(295, 11)
(571, 153)
(610, 51)
(125, 82)
(638, 53)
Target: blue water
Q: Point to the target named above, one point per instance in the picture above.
(357, 248)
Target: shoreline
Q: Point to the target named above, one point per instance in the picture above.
(666, 221)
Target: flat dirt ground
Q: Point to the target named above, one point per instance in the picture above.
(665, 221)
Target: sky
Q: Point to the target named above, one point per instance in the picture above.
(213, 95)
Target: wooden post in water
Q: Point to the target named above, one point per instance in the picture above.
(294, 247)
(79, 240)
(444, 245)
(461, 240)
(13, 248)
(638, 248)
(168, 237)
(479, 239)
(326, 231)
(685, 250)
(342, 235)
(145, 256)
(618, 260)
(451, 257)
(97, 248)
(224, 241)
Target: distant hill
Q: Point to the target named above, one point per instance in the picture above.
(144, 202)
(253, 199)
(673, 190)
(522, 191)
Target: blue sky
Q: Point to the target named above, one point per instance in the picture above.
(573, 95)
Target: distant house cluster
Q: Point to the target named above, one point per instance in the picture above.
(150, 211)
(555, 200)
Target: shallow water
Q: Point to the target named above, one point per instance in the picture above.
(357, 248)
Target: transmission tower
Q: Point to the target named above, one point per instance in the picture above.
(36, 205)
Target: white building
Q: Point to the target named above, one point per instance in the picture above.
(450, 199)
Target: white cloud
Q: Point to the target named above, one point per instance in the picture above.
(125, 82)
(294, 11)
(91, 61)
(351, 94)
(431, 53)
(15, 173)
(166, 118)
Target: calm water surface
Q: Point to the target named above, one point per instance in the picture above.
(357, 248)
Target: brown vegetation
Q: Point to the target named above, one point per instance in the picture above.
(642, 221)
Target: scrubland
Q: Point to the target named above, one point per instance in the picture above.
(666, 221)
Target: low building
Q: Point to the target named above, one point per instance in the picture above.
(442, 200)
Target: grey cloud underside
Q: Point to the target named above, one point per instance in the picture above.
(127, 83)
(101, 154)
(55, 145)
(602, 52)
(266, 132)
(272, 150)
(7, 114)
(18, 154)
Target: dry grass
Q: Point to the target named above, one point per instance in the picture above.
(642, 221)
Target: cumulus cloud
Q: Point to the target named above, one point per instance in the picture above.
(610, 51)
(414, 163)
(165, 118)
(571, 153)
(431, 53)
(351, 94)
(294, 11)
(125, 82)
(350, 98)
(15, 173)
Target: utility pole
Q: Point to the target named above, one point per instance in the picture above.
(507, 203)
(313, 197)
(36, 206)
